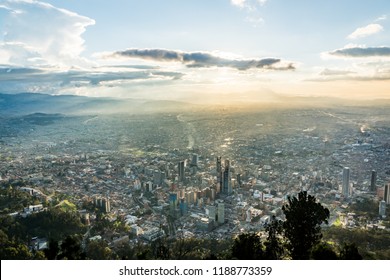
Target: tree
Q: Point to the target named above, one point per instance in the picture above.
(350, 252)
(52, 250)
(273, 245)
(323, 252)
(71, 249)
(99, 250)
(247, 246)
(302, 230)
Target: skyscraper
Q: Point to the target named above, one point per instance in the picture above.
(345, 188)
(219, 172)
(180, 170)
(386, 196)
(195, 159)
(172, 203)
(221, 213)
(373, 181)
(382, 208)
(212, 213)
(227, 179)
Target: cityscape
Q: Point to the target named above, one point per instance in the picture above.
(200, 174)
(208, 130)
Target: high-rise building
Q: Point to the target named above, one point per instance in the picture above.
(157, 177)
(195, 159)
(183, 207)
(345, 187)
(219, 171)
(239, 182)
(386, 196)
(227, 179)
(221, 213)
(180, 170)
(382, 208)
(172, 203)
(212, 213)
(373, 181)
(104, 204)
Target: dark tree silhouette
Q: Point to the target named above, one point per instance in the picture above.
(350, 252)
(247, 246)
(52, 250)
(302, 230)
(273, 245)
(71, 249)
(323, 252)
(99, 250)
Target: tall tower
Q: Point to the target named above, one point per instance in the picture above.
(373, 181)
(227, 179)
(345, 189)
(219, 172)
(172, 203)
(212, 213)
(382, 208)
(180, 170)
(386, 197)
(195, 159)
(221, 213)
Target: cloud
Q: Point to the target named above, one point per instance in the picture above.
(204, 59)
(381, 18)
(24, 79)
(356, 52)
(357, 78)
(247, 3)
(335, 72)
(35, 32)
(367, 71)
(365, 31)
(251, 7)
(238, 3)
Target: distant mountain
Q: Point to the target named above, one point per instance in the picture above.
(30, 103)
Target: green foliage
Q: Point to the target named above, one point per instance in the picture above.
(324, 251)
(247, 246)
(302, 230)
(350, 252)
(13, 250)
(99, 250)
(373, 244)
(53, 223)
(12, 200)
(367, 208)
(70, 249)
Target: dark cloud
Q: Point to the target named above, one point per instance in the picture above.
(362, 52)
(204, 59)
(14, 71)
(154, 54)
(27, 79)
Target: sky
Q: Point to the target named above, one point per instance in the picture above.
(196, 50)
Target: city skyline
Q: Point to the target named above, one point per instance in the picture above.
(198, 51)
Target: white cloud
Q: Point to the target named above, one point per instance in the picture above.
(248, 4)
(41, 33)
(238, 3)
(365, 31)
(251, 7)
(381, 18)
